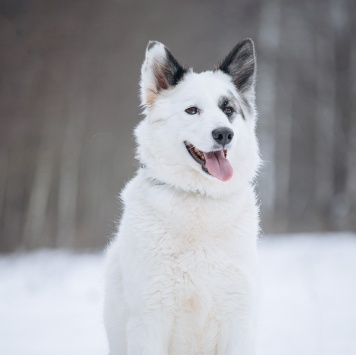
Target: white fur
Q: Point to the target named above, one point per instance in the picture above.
(181, 272)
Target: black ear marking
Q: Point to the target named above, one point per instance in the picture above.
(160, 71)
(168, 72)
(240, 64)
(174, 71)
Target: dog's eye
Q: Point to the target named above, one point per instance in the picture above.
(228, 111)
(192, 110)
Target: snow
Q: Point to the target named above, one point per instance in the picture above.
(51, 301)
(308, 295)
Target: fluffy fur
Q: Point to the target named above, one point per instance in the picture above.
(181, 272)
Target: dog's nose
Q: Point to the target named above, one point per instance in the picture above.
(223, 135)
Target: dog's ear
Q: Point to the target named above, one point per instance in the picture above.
(240, 64)
(160, 71)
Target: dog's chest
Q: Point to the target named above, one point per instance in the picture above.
(204, 282)
(197, 261)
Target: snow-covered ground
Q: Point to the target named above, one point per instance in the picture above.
(51, 301)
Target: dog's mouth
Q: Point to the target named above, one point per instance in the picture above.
(213, 163)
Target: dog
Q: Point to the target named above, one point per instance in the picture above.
(181, 273)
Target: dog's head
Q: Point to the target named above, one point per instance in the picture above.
(199, 129)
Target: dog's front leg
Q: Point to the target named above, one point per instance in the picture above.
(148, 335)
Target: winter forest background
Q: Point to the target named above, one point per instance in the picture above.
(69, 103)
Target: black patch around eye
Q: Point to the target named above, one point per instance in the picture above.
(228, 110)
(242, 114)
(226, 105)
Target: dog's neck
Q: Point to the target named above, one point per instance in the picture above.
(162, 183)
(152, 179)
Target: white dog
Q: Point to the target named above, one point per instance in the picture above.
(181, 273)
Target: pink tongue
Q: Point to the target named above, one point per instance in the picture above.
(218, 165)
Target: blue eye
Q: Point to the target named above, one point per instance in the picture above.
(192, 110)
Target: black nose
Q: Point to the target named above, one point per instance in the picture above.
(223, 135)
